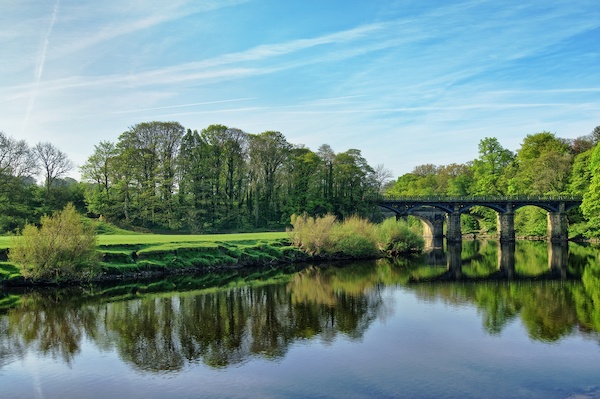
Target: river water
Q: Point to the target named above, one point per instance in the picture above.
(477, 320)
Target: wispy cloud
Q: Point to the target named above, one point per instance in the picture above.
(165, 13)
(566, 90)
(199, 71)
(185, 105)
(40, 68)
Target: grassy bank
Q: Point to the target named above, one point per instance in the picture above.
(123, 253)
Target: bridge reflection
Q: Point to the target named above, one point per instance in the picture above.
(450, 255)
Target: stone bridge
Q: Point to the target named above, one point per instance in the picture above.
(432, 211)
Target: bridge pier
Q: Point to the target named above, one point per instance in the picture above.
(506, 226)
(453, 231)
(558, 226)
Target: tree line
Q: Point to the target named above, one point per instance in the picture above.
(160, 176)
(543, 165)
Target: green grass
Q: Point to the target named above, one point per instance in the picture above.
(125, 252)
(146, 239)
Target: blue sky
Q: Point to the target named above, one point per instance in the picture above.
(406, 82)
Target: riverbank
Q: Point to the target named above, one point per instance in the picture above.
(150, 256)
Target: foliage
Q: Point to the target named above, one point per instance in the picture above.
(543, 165)
(591, 198)
(221, 179)
(395, 236)
(312, 235)
(62, 247)
(354, 236)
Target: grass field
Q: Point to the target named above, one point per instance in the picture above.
(153, 239)
(124, 251)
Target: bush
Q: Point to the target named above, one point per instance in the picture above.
(395, 236)
(355, 236)
(312, 235)
(62, 248)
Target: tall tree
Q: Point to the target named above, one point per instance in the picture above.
(493, 158)
(53, 161)
(381, 175)
(98, 168)
(268, 152)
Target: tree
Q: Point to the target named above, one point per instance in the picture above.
(98, 168)
(147, 165)
(268, 152)
(493, 158)
(581, 175)
(381, 175)
(302, 167)
(543, 165)
(53, 161)
(591, 199)
(17, 161)
(534, 145)
(425, 170)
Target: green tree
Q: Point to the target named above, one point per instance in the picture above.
(543, 165)
(591, 198)
(268, 152)
(488, 168)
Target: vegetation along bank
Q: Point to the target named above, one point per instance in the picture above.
(67, 249)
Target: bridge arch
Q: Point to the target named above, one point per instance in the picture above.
(432, 218)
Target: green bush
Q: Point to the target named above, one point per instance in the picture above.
(312, 235)
(395, 236)
(355, 236)
(61, 248)
(356, 245)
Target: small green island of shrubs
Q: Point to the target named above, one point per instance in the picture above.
(65, 247)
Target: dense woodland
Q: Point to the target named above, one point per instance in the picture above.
(544, 165)
(159, 176)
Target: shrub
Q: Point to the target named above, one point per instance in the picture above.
(312, 235)
(356, 245)
(395, 237)
(355, 236)
(61, 248)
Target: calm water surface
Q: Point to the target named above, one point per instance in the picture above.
(478, 320)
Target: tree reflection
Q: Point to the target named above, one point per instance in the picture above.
(225, 326)
(52, 323)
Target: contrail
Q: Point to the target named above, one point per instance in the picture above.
(40, 70)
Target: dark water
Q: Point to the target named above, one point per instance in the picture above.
(481, 320)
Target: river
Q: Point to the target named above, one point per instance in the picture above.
(475, 320)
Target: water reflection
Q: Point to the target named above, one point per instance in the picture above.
(477, 260)
(227, 323)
